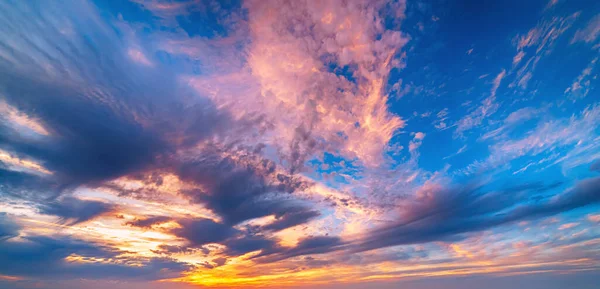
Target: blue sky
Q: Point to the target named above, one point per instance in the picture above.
(307, 144)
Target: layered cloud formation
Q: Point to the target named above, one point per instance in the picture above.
(315, 144)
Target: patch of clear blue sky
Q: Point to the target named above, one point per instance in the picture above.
(454, 45)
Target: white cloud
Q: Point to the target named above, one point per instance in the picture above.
(573, 140)
(543, 38)
(416, 142)
(488, 107)
(582, 84)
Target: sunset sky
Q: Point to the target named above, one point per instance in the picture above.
(427, 144)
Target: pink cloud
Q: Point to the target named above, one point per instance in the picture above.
(139, 57)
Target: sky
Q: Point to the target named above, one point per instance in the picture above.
(300, 144)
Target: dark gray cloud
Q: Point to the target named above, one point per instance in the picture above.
(37, 257)
(220, 261)
(199, 232)
(26, 186)
(107, 115)
(149, 221)
(239, 191)
(165, 249)
(307, 246)
(73, 211)
(290, 219)
(450, 213)
(40, 192)
(93, 132)
(89, 143)
(8, 227)
(315, 245)
(246, 244)
(110, 117)
(203, 231)
(584, 193)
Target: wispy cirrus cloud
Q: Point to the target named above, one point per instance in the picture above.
(589, 33)
(581, 86)
(488, 107)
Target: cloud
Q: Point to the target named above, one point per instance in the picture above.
(583, 83)
(541, 41)
(594, 218)
(20, 120)
(545, 33)
(416, 142)
(291, 219)
(103, 117)
(8, 228)
(572, 138)
(440, 122)
(518, 58)
(512, 121)
(203, 231)
(568, 226)
(237, 187)
(443, 213)
(307, 246)
(73, 211)
(26, 186)
(246, 244)
(595, 166)
(148, 222)
(220, 261)
(219, 135)
(138, 56)
(488, 107)
(82, 134)
(589, 33)
(584, 193)
(240, 191)
(460, 151)
(17, 164)
(108, 118)
(165, 249)
(44, 258)
(293, 78)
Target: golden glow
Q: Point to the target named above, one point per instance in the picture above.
(245, 272)
(21, 120)
(18, 163)
(461, 252)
